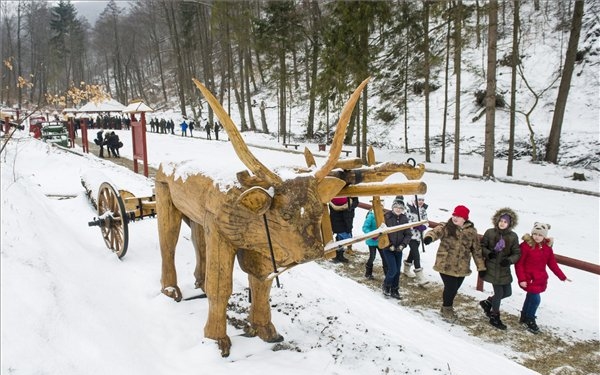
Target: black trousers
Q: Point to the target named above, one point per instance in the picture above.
(451, 286)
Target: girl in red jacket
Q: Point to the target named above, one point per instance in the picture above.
(536, 254)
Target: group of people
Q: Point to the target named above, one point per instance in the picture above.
(494, 254)
(162, 126)
(111, 141)
(209, 128)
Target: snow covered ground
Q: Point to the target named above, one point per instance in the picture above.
(70, 306)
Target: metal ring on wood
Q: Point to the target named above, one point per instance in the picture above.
(113, 223)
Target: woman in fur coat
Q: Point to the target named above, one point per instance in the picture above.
(536, 254)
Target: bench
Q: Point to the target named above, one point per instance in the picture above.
(291, 145)
(347, 152)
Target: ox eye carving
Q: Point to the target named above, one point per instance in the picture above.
(285, 215)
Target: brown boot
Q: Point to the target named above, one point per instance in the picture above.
(448, 313)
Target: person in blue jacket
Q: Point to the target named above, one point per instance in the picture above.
(370, 225)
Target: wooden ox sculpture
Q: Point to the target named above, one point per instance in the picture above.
(232, 222)
(271, 224)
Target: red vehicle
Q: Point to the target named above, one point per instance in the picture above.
(35, 126)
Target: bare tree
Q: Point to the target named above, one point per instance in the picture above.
(513, 86)
(553, 144)
(490, 95)
(457, 65)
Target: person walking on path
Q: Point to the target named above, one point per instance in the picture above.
(370, 225)
(416, 211)
(184, 127)
(208, 129)
(500, 246)
(459, 243)
(393, 253)
(536, 254)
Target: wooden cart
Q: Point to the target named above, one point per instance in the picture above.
(116, 209)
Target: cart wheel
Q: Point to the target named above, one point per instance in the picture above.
(114, 227)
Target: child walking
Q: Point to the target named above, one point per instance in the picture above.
(536, 254)
(370, 225)
(459, 243)
(393, 253)
(500, 246)
(417, 211)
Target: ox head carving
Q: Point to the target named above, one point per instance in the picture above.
(297, 202)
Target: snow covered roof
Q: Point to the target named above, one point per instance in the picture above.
(109, 105)
(137, 107)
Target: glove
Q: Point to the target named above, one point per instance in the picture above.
(492, 255)
(421, 228)
(481, 274)
(505, 262)
(427, 240)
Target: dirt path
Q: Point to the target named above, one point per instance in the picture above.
(125, 162)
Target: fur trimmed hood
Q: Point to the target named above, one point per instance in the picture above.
(527, 238)
(514, 218)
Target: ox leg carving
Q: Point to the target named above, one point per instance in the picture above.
(200, 247)
(169, 224)
(218, 285)
(260, 311)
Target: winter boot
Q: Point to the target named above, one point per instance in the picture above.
(339, 257)
(531, 325)
(420, 278)
(523, 318)
(369, 272)
(387, 290)
(407, 272)
(395, 294)
(486, 305)
(495, 320)
(448, 313)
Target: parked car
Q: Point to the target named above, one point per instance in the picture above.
(55, 132)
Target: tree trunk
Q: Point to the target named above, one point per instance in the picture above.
(446, 80)
(513, 87)
(553, 144)
(405, 97)
(282, 95)
(364, 125)
(490, 95)
(457, 67)
(427, 73)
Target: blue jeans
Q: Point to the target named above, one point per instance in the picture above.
(393, 261)
(531, 304)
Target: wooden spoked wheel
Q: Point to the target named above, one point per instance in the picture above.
(111, 211)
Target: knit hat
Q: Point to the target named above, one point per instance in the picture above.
(461, 211)
(398, 203)
(505, 217)
(339, 201)
(541, 229)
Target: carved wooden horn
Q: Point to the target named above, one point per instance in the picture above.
(240, 147)
(340, 132)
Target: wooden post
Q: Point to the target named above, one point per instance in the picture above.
(84, 137)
